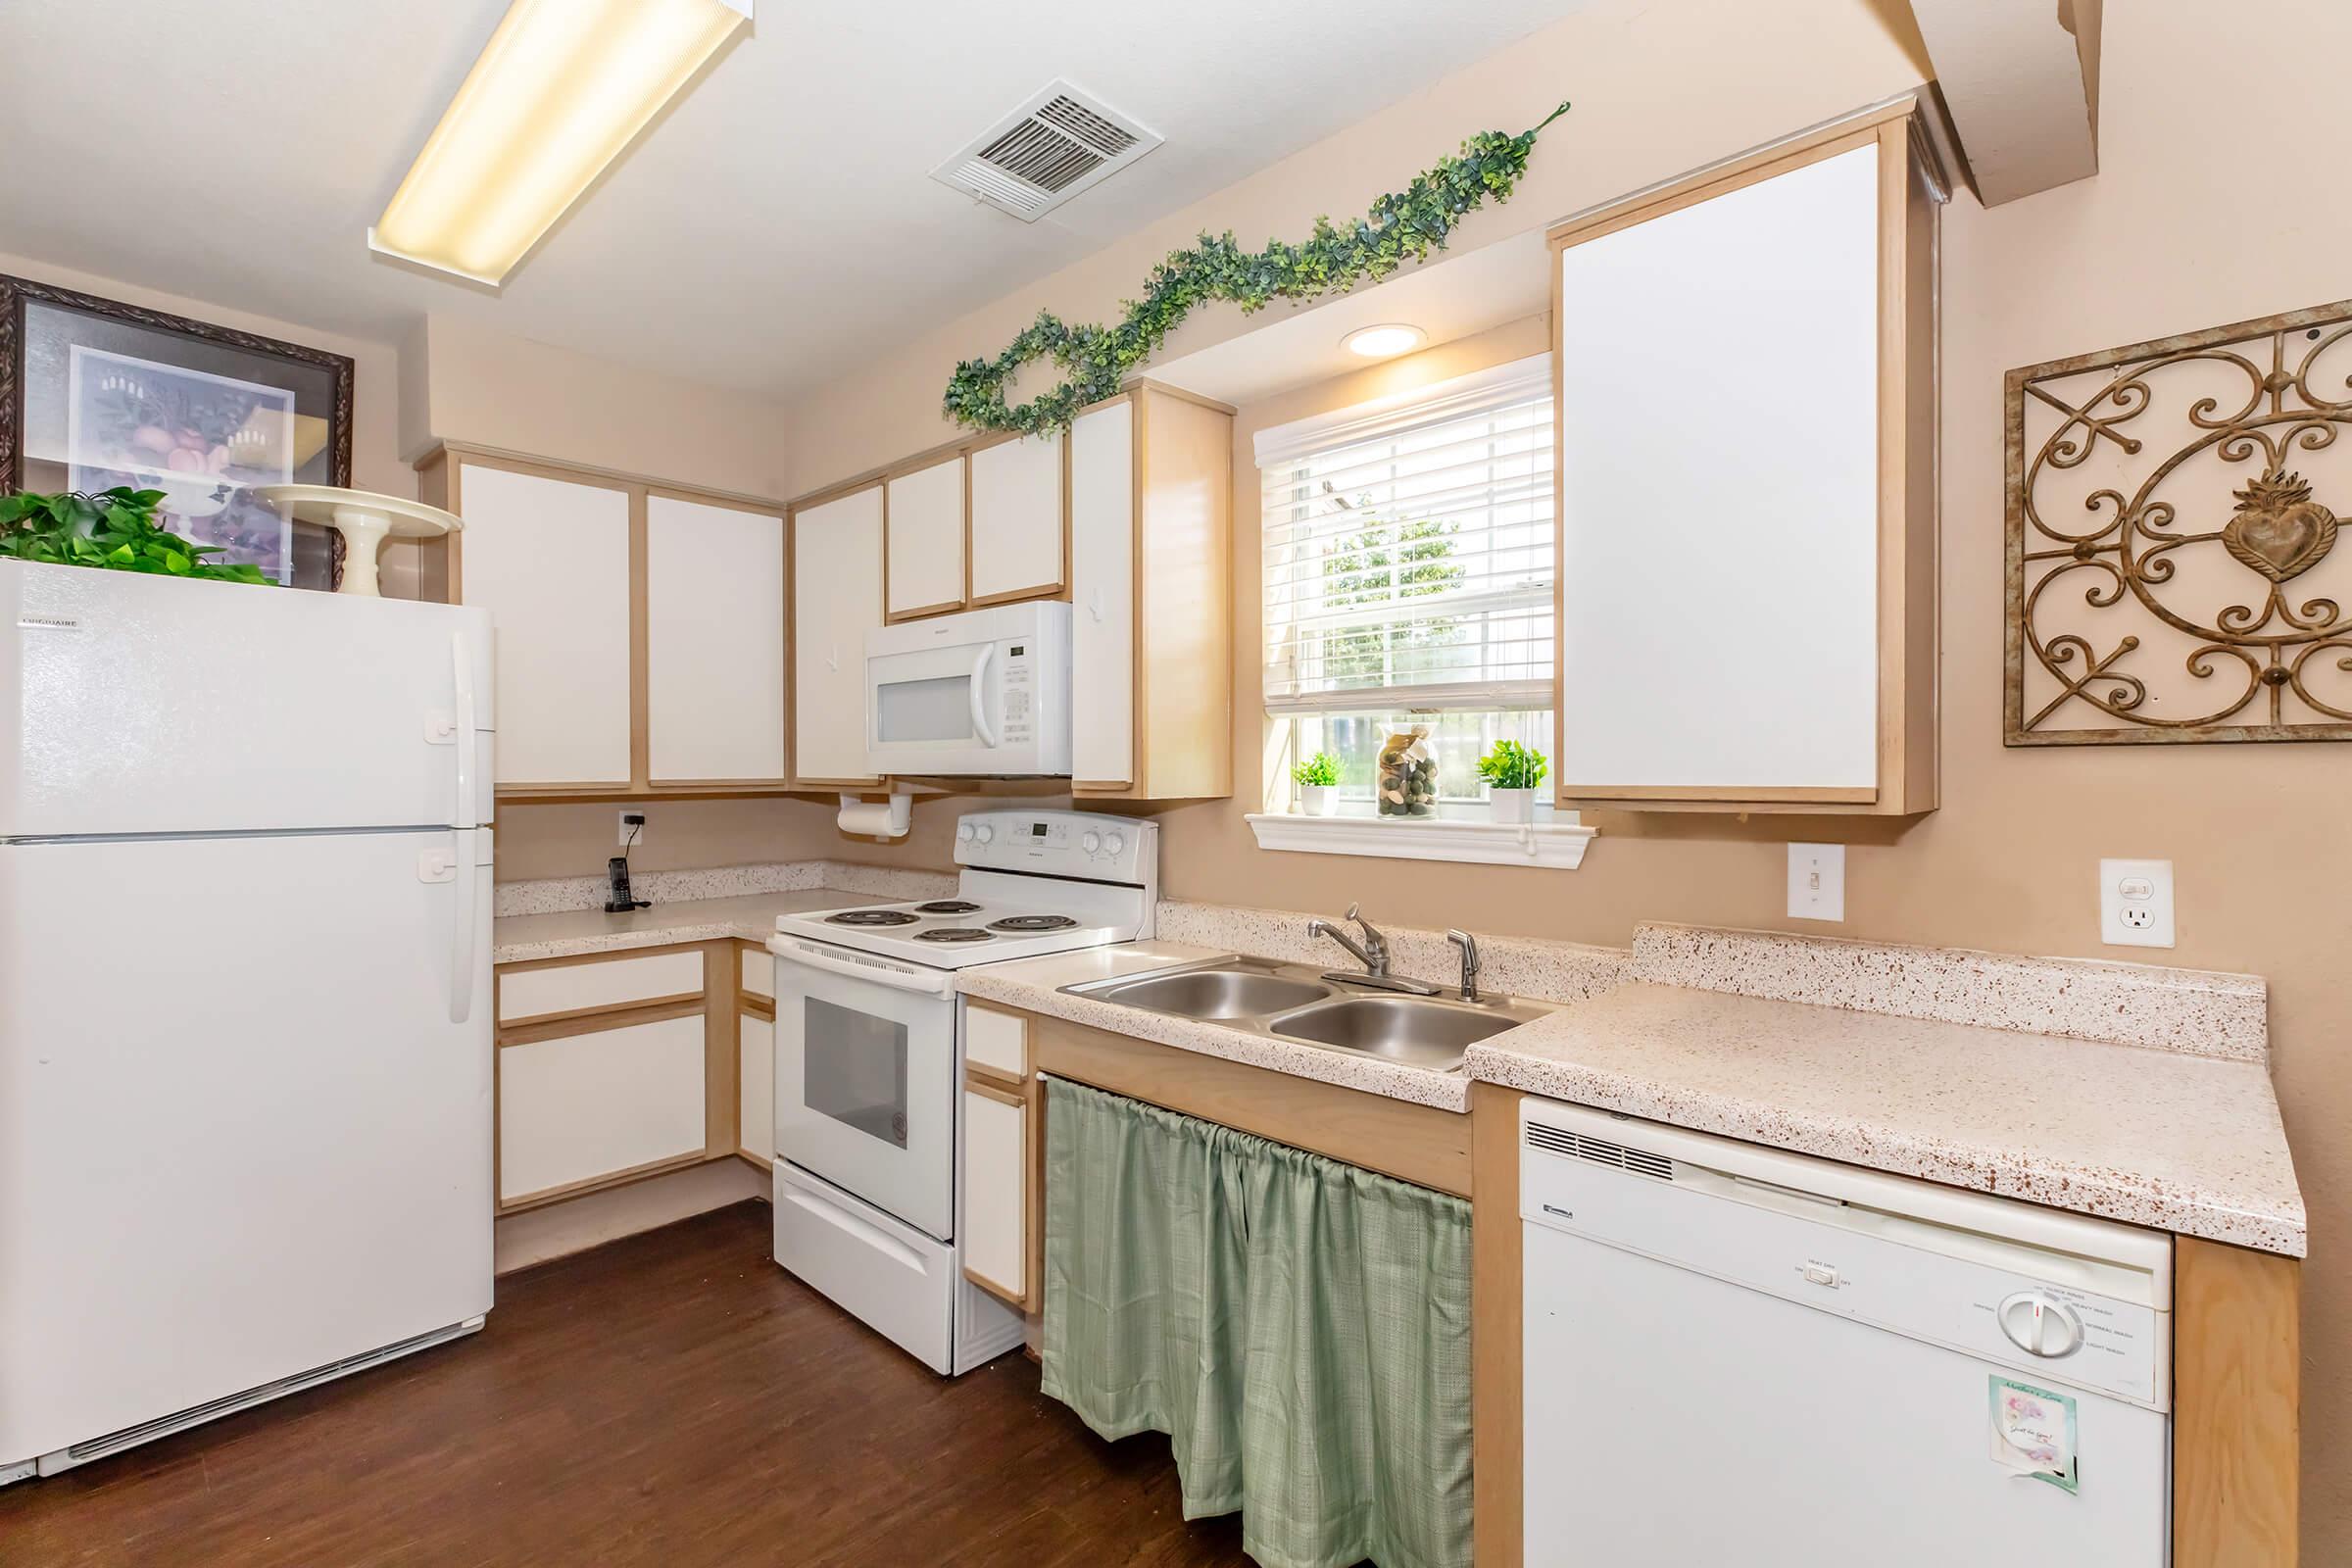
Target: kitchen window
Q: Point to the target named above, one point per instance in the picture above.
(1408, 557)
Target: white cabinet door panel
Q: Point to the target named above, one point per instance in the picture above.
(756, 1040)
(549, 559)
(926, 534)
(599, 983)
(996, 1169)
(1016, 518)
(998, 1041)
(1719, 602)
(1102, 595)
(580, 1107)
(836, 600)
(714, 642)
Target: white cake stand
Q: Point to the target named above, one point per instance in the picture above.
(364, 519)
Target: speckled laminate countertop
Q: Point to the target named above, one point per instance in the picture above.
(568, 933)
(2164, 1139)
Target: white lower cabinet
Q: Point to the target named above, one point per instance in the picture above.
(579, 1107)
(996, 1190)
(756, 1102)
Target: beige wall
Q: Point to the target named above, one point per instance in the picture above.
(470, 383)
(2181, 230)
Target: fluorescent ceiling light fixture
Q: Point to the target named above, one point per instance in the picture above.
(1384, 342)
(562, 89)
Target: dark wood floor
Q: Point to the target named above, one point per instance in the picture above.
(671, 1399)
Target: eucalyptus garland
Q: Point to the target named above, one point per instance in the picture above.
(1404, 225)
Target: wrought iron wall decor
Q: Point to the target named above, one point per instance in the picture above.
(2172, 566)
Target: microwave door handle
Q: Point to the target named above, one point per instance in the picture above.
(926, 983)
(980, 724)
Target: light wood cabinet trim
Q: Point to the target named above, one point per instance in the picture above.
(722, 1054)
(1417, 1143)
(751, 1006)
(595, 1020)
(610, 1179)
(980, 1076)
(1497, 1375)
(1907, 782)
(988, 1086)
(2236, 1406)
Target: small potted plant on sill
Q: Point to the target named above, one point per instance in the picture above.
(1317, 778)
(1512, 771)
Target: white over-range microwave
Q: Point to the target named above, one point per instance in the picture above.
(983, 693)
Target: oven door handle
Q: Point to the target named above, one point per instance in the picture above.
(925, 982)
(980, 724)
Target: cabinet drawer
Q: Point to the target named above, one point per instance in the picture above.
(581, 1107)
(604, 983)
(995, 1191)
(996, 1044)
(759, 970)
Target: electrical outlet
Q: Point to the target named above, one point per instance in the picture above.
(2135, 904)
(1817, 881)
(632, 830)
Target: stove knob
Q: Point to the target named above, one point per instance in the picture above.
(2039, 1324)
(1114, 844)
(984, 833)
(963, 832)
(1090, 841)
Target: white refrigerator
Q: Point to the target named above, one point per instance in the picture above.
(245, 1007)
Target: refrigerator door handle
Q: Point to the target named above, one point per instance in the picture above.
(468, 738)
(460, 943)
(462, 938)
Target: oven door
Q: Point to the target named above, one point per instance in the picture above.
(865, 1078)
(937, 710)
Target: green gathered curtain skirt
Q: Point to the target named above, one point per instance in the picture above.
(1299, 1328)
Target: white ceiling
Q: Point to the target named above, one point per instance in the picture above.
(777, 228)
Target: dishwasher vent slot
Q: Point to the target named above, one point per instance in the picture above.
(1560, 1141)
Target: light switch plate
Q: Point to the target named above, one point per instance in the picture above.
(1817, 881)
(2135, 904)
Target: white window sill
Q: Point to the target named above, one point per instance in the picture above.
(1557, 844)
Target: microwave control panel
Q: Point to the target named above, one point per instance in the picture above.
(1019, 691)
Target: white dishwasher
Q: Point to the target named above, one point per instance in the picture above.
(1742, 1358)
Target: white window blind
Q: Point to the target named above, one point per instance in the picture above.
(1409, 550)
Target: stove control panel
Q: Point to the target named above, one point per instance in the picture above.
(1080, 844)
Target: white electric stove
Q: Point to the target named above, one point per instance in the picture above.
(869, 1063)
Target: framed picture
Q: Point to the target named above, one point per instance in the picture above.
(95, 393)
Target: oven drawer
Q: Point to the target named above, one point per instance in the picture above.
(889, 1276)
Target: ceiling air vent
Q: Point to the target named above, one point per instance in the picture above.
(1047, 150)
(1599, 1151)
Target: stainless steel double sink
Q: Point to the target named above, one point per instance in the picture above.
(1294, 1002)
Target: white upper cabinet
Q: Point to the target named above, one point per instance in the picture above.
(836, 600)
(715, 643)
(1103, 596)
(1016, 533)
(924, 527)
(549, 558)
(1746, 590)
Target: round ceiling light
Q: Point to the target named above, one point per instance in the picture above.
(1384, 342)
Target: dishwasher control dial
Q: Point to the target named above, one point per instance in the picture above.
(2039, 1324)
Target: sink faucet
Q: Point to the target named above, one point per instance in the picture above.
(1469, 946)
(1373, 955)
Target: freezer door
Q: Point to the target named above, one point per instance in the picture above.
(241, 1135)
(131, 704)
